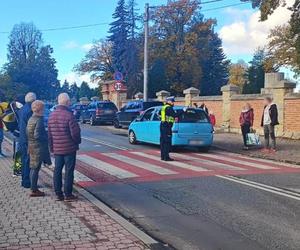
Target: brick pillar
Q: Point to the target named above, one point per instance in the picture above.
(190, 94)
(277, 87)
(227, 92)
(162, 95)
(106, 89)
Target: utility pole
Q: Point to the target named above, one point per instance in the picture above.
(146, 27)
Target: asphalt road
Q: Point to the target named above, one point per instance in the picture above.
(253, 211)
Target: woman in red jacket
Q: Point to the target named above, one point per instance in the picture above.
(246, 122)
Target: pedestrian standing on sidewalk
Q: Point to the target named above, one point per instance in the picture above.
(212, 118)
(268, 122)
(246, 122)
(204, 107)
(64, 139)
(37, 145)
(24, 114)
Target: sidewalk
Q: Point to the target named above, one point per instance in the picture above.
(288, 150)
(43, 223)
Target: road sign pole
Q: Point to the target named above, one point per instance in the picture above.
(146, 27)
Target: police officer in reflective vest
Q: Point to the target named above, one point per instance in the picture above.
(167, 120)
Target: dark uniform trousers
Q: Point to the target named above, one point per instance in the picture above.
(165, 139)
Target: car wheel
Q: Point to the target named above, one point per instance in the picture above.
(204, 149)
(92, 121)
(116, 123)
(132, 137)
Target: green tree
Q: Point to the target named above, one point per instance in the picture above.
(237, 73)
(10, 89)
(119, 29)
(255, 73)
(295, 30)
(29, 62)
(98, 61)
(85, 90)
(188, 47)
(282, 49)
(74, 91)
(214, 67)
(133, 74)
(65, 88)
(45, 73)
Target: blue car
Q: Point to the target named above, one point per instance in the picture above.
(192, 128)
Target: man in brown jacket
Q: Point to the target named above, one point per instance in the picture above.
(64, 139)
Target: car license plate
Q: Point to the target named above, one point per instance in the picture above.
(196, 142)
(108, 112)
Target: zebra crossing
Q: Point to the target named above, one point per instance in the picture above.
(94, 168)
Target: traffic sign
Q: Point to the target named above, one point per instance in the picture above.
(118, 76)
(118, 86)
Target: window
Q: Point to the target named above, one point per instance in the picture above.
(193, 116)
(109, 105)
(147, 105)
(147, 116)
(156, 116)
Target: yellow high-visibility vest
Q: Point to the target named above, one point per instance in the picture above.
(164, 117)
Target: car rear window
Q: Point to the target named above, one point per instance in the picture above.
(108, 105)
(147, 105)
(192, 116)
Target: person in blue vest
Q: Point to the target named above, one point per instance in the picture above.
(24, 114)
(167, 120)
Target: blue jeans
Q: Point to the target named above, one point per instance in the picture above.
(25, 169)
(34, 176)
(67, 161)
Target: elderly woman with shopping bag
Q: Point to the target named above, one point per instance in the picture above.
(37, 145)
(246, 122)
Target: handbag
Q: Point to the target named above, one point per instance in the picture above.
(252, 139)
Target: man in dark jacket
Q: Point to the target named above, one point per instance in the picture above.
(268, 122)
(64, 139)
(24, 114)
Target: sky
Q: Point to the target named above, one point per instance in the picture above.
(238, 26)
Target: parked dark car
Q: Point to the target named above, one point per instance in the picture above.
(77, 110)
(131, 111)
(99, 112)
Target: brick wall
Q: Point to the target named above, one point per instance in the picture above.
(236, 108)
(216, 107)
(292, 115)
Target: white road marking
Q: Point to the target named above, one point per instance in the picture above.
(77, 175)
(263, 187)
(250, 164)
(106, 167)
(260, 160)
(141, 164)
(104, 143)
(208, 162)
(174, 163)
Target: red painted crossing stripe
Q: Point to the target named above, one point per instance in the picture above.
(123, 165)
(146, 175)
(158, 163)
(257, 161)
(245, 166)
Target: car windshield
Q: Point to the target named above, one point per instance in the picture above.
(147, 105)
(192, 116)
